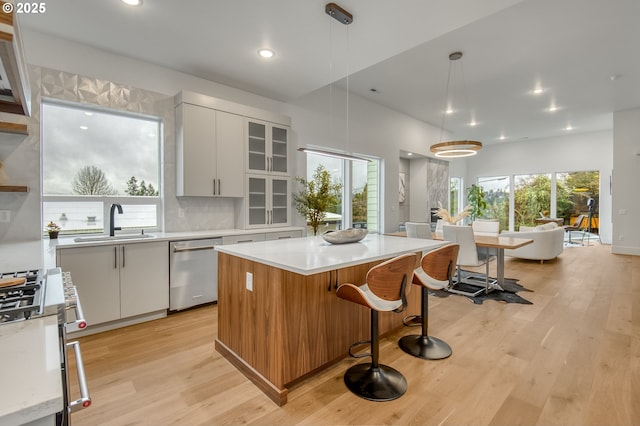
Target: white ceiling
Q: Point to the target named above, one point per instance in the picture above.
(400, 48)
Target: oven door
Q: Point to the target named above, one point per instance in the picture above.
(71, 318)
(84, 400)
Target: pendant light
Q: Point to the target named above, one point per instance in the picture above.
(346, 18)
(453, 149)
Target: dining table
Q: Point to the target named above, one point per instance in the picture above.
(489, 242)
(500, 244)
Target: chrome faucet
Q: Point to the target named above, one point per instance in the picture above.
(112, 229)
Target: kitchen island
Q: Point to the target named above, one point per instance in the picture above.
(278, 316)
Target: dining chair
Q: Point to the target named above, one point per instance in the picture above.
(418, 230)
(468, 256)
(490, 227)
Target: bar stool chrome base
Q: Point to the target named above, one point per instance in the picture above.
(425, 347)
(382, 383)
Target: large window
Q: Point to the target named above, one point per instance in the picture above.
(532, 198)
(359, 201)
(496, 194)
(455, 195)
(573, 191)
(561, 195)
(92, 158)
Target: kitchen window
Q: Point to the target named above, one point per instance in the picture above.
(359, 201)
(92, 158)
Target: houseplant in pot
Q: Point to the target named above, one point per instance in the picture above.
(317, 197)
(53, 229)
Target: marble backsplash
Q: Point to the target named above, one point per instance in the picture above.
(437, 184)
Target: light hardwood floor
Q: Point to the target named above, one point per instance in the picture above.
(571, 358)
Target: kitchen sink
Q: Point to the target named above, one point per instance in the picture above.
(107, 238)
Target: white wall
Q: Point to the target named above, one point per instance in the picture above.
(578, 152)
(626, 177)
(373, 130)
(403, 208)
(419, 211)
(77, 58)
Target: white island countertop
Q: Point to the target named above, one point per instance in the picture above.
(312, 255)
(31, 375)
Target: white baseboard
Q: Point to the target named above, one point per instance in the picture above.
(634, 251)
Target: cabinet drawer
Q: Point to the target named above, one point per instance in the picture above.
(247, 238)
(283, 234)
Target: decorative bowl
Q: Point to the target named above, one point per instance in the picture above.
(349, 235)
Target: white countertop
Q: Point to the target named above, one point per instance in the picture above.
(312, 255)
(31, 376)
(68, 242)
(23, 255)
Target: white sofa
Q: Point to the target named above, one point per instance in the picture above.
(548, 242)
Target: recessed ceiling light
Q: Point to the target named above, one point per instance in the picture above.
(133, 2)
(553, 108)
(502, 137)
(473, 123)
(568, 127)
(537, 90)
(83, 127)
(409, 154)
(449, 111)
(266, 53)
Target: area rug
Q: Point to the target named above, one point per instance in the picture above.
(509, 295)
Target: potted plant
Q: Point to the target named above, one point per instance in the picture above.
(317, 196)
(53, 229)
(475, 197)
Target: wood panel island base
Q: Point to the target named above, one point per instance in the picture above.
(278, 316)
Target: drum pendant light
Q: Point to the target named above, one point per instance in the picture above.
(453, 149)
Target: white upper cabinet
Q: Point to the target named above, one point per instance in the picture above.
(269, 201)
(267, 147)
(209, 152)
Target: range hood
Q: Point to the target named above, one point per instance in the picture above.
(15, 93)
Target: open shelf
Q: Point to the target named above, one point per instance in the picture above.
(13, 188)
(17, 128)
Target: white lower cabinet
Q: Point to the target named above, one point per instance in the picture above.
(283, 235)
(119, 281)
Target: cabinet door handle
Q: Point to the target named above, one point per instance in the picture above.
(219, 187)
(123, 256)
(115, 257)
(214, 187)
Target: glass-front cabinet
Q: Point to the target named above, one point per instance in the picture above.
(267, 147)
(268, 201)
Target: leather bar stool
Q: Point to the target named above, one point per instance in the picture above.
(436, 273)
(383, 291)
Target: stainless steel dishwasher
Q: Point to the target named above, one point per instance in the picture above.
(193, 273)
